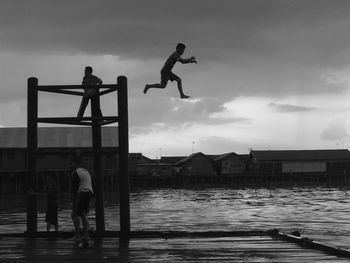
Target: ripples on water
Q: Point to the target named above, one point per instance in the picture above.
(319, 213)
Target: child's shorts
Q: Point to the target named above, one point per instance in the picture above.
(166, 76)
(51, 214)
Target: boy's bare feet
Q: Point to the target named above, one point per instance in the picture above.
(184, 96)
(145, 89)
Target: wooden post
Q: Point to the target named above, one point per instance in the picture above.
(123, 139)
(98, 170)
(32, 145)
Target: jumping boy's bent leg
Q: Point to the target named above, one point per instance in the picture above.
(156, 86)
(179, 86)
(161, 85)
(146, 88)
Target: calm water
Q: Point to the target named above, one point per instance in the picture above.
(319, 213)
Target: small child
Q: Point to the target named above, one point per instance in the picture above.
(167, 74)
(52, 207)
(89, 79)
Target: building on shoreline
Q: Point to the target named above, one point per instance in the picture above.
(301, 165)
(259, 167)
(53, 167)
(230, 164)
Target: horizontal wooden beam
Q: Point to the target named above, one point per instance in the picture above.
(77, 93)
(68, 92)
(146, 234)
(51, 88)
(309, 243)
(106, 91)
(87, 121)
(86, 151)
(106, 122)
(64, 120)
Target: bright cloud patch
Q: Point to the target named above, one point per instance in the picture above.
(288, 107)
(336, 129)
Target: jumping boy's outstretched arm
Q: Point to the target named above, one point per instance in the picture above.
(188, 60)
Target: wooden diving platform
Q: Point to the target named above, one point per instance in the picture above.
(151, 246)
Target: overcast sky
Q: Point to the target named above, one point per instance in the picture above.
(271, 74)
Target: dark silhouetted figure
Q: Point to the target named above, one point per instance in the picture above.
(82, 191)
(89, 79)
(51, 217)
(167, 74)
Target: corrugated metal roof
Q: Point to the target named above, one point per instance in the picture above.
(139, 158)
(57, 137)
(171, 159)
(190, 157)
(178, 159)
(301, 155)
(223, 156)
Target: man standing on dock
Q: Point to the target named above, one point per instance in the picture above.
(82, 191)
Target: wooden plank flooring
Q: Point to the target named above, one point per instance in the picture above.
(196, 249)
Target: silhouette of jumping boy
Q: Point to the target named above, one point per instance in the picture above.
(167, 74)
(89, 79)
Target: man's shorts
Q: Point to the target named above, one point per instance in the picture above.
(82, 203)
(89, 93)
(166, 76)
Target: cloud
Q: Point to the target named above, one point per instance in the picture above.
(218, 145)
(335, 130)
(288, 107)
(174, 112)
(295, 31)
(13, 114)
(245, 48)
(250, 53)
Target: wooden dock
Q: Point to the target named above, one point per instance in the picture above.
(166, 247)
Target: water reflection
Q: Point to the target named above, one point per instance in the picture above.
(320, 213)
